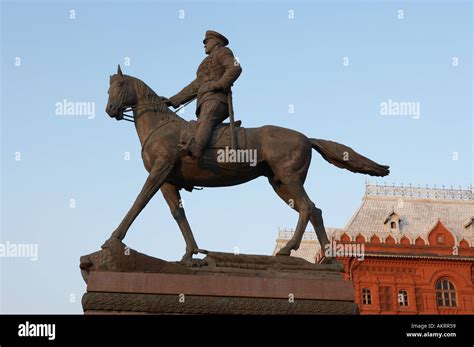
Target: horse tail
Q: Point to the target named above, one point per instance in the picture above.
(345, 157)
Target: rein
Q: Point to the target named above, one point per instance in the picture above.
(131, 118)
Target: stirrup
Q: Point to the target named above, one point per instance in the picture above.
(186, 149)
(182, 150)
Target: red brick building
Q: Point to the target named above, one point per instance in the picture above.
(415, 250)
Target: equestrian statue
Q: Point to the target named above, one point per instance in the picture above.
(180, 154)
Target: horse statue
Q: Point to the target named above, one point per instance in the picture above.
(284, 156)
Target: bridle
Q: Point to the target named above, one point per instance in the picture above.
(122, 98)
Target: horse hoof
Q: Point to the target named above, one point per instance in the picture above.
(330, 261)
(192, 262)
(284, 252)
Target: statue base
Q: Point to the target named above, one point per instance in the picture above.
(123, 281)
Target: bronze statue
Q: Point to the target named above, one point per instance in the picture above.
(283, 155)
(214, 78)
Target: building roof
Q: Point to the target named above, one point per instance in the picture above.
(415, 212)
(419, 210)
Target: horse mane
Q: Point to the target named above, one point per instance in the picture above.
(151, 97)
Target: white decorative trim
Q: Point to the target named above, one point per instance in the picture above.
(418, 192)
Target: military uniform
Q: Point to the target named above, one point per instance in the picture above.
(214, 77)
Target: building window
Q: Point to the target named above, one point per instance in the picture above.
(440, 239)
(403, 297)
(366, 296)
(392, 220)
(445, 293)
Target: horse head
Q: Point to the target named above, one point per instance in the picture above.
(122, 94)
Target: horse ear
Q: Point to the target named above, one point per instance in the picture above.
(119, 70)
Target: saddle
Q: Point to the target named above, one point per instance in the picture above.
(221, 136)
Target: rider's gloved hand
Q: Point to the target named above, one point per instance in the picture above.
(169, 103)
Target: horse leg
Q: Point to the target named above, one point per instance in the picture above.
(295, 196)
(318, 224)
(173, 198)
(155, 179)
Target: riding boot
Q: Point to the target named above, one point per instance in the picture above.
(203, 135)
(186, 149)
(212, 112)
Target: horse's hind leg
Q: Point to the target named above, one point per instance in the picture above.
(173, 198)
(318, 224)
(295, 196)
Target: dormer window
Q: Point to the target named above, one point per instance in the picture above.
(393, 221)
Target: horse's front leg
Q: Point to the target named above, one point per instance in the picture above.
(173, 198)
(154, 181)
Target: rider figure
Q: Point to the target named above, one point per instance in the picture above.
(214, 78)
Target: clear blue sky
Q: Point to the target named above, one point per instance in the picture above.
(285, 61)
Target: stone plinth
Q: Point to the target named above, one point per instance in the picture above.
(123, 281)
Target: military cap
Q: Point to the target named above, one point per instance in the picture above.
(212, 33)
